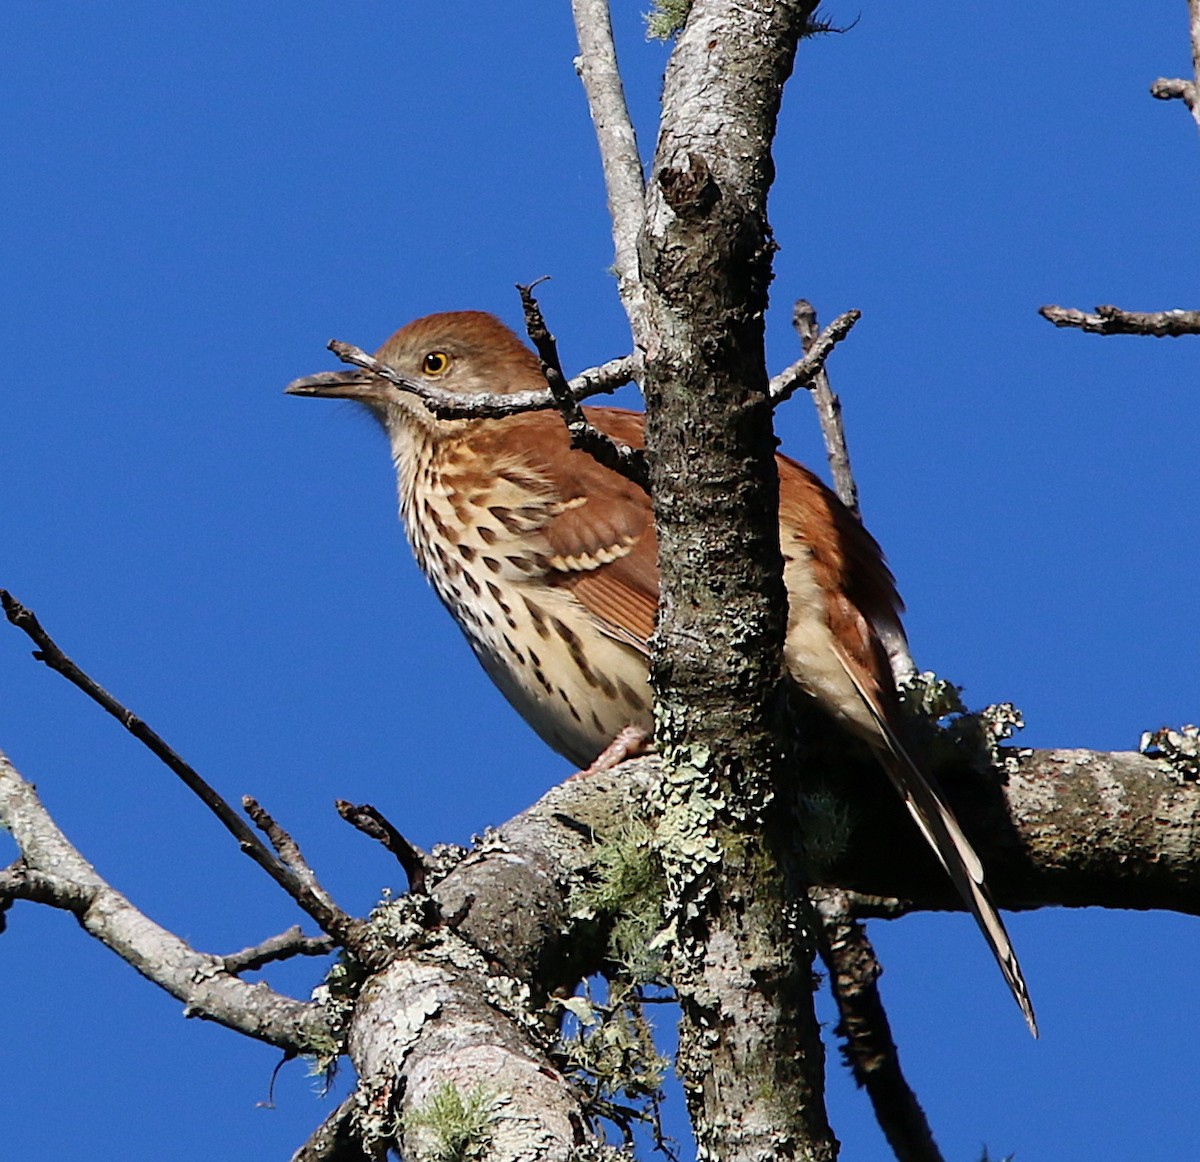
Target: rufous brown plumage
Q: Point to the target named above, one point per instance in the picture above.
(548, 563)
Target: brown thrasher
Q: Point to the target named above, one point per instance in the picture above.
(548, 563)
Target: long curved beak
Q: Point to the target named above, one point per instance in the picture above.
(360, 385)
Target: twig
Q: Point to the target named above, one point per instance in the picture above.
(449, 405)
(287, 944)
(1178, 89)
(315, 903)
(373, 823)
(869, 1049)
(810, 372)
(52, 872)
(624, 179)
(312, 897)
(629, 462)
(1114, 321)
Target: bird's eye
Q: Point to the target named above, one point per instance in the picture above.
(436, 363)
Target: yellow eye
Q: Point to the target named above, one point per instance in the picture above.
(436, 363)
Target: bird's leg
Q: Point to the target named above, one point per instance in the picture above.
(630, 742)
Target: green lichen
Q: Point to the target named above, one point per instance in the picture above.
(613, 1057)
(452, 1128)
(629, 887)
(935, 708)
(337, 995)
(666, 18)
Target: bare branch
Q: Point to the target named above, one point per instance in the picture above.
(304, 887)
(869, 1048)
(450, 405)
(810, 372)
(334, 1139)
(624, 180)
(51, 871)
(304, 891)
(1110, 320)
(372, 822)
(621, 458)
(287, 944)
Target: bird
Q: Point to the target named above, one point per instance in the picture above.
(547, 561)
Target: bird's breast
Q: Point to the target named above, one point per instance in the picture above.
(478, 540)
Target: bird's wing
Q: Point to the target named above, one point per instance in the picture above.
(862, 605)
(599, 537)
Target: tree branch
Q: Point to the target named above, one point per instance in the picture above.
(287, 944)
(620, 458)
(1110, 320)
(51, 871)
(869, 1048)
(450, 405)
(290, 871)
(334, 1139)
(740, 955)
(372, 823)
(810, 372)
(624, 181)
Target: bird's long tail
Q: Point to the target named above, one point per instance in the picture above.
(945, 836)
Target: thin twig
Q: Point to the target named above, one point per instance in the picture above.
(372, 822)
(1110, 320)
(51, 871)
(449, 405)
(315, 900)
(629, 462)
(49, 653)
(869, 1048)
(810, 372)
(287, 944)
(624, 179)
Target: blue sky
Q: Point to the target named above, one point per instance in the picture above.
(195, 198)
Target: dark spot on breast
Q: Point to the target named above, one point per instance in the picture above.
(436, 521)
(486, 535)
(565, 632)
(492, 564)
(629, 694)
(521, 478)
(506, 517)
(538, 614)
(472, 584)
(465, 551)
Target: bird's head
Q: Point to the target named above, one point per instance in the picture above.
(461, 352)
